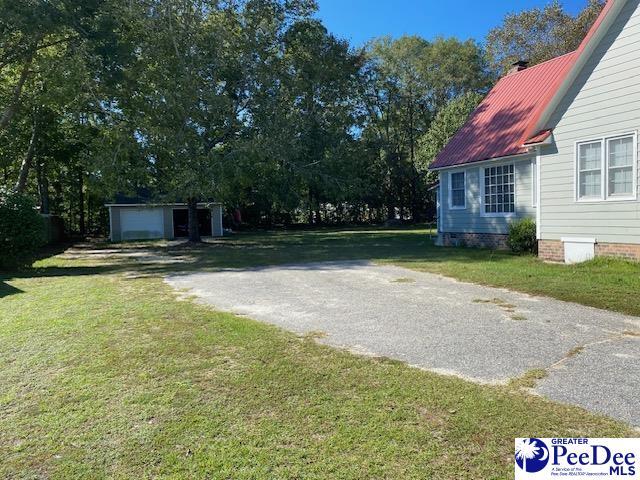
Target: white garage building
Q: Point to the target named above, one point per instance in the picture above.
(140, 221)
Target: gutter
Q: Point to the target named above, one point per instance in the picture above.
(516, 156)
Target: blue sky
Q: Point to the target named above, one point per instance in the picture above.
(361, 20)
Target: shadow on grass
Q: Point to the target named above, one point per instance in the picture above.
(299, 249)
(6, 289)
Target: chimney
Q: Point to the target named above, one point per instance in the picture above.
(518, 66)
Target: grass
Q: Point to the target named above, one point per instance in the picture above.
(105, 373)
(529, 379)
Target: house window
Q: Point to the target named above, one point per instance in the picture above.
(620, 167)
(590, 170)
(607, 169)
(458, 191)
(499, 190)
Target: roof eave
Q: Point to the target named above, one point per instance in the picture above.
(547, 139)
(515, 156)
(596, 33)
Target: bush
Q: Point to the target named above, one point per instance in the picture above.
(522, 236)
(22, 229)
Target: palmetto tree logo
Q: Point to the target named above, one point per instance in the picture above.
(532, 455)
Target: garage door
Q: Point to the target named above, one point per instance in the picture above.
(141, 223)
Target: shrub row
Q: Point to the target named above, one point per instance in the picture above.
(22, 229)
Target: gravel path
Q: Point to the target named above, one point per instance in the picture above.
(479, 333)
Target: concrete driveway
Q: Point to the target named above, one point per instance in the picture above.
(479, 333)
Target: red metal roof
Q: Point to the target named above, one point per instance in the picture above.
(498, 126)
(507, 118)
(539, 137)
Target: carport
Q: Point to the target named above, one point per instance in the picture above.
(144, 221)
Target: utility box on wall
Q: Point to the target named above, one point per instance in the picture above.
(577, 250)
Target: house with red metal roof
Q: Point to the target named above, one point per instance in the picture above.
(555, 142)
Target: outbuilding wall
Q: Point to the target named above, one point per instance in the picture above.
(165, 230)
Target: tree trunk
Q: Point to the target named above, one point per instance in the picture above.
(194, 232)
(81, 217)
(23, 175)
(11, 109)
(415, 209)
(412, 154)
(311, 210)
(43, 189)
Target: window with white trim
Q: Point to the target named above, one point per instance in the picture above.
(499, 190)
(590, 170)
(606, 168)
(620, 160)
(457, 190)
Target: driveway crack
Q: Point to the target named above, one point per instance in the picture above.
(581, 348)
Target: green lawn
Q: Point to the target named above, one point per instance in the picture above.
(105, 373)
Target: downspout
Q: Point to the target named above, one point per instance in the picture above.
(538, 190)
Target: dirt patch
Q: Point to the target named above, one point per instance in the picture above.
(404, 280)
(506, 307)
(529, 380)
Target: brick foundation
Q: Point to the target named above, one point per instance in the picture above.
(548, 250)
(622, 250)
(478, 240)
(553, 250)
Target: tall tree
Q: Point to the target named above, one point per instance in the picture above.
(29, 29)
(539, 34)
(408, 81)
(196, 67)
(321, 76)
(447, 122)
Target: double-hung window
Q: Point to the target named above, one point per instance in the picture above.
(499, 190)
(590, 170)
(620, 167)
(606, 169)
(457, 190)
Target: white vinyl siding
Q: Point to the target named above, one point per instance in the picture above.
(603, 103)
(457, 194)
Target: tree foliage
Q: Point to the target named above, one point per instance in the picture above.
(539, 34)
(447, 122)
(21, 228)
(407, 81)
(250, 102)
